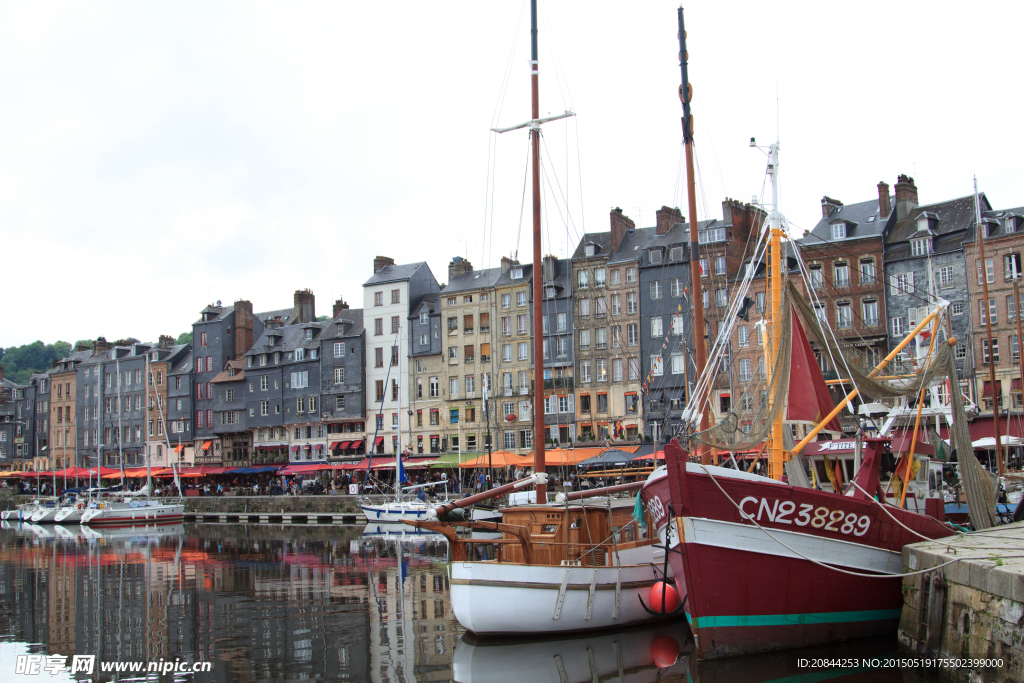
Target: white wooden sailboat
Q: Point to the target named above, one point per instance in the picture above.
(578, 563)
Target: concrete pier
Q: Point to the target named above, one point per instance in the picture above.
(970, 609)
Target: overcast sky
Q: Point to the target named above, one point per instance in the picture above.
(156, 157)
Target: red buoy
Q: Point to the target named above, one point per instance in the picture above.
(655, 595)
(664, 651)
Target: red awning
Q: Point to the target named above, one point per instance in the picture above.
(336, 445)
(378, 441)
(206, 446)
(650, 456)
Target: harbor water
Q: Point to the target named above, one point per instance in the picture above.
(252, 603)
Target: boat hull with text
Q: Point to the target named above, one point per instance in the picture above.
(777, 587)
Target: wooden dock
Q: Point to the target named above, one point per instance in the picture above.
(318, 518)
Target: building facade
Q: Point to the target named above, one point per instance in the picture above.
(343, 405)
(388, 297)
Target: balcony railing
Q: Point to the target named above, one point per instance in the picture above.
(485, 358)
(470, 359)
(468, 330)
(485, 330)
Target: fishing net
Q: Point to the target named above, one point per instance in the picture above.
(735, 432)
(728, 434)
(980, 485)
(859, 366)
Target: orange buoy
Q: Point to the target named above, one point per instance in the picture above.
(654, 597)
(664, 651)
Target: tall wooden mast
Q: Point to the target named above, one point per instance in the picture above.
(700, 349)
(538, 269)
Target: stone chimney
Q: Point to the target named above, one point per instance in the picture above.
(381, 261)
(883, 199)
(906, 196)
(507, 263)
(458, 266)
(667, 217)
(621, 224)
(243, 327)
(101, 344)
(828, 205)
(339, 306)
(547, 272)
(166, 341)
(305, 307)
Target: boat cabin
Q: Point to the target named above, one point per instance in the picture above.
(596, 532)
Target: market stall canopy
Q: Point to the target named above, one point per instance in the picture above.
(452, 460)
(259, 469)
(567, 456)
(497, 459)
(612, 456)
(989, 442)
(300, 469)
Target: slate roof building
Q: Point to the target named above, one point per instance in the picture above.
(426, 399)
(924, 261)
(179, 404)
(466, 311)
(343, 404)
(388, 297)
(666, 340)
(606, 298)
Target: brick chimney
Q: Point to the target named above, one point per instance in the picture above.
(667, 217)
(101, 344)
(274, 322)
(548, 268)
(620, 224)
(828, 205)
(243, 327)
(339, 306)
(883, 199)
(458, 266)
(305, 306)
(906, 196)
(165, 342)
(381, 261)
(507, 263)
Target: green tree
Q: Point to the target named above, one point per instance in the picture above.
(184, 338)
(20, 362)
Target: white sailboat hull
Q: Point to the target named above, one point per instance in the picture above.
(395, 511)
(491, 598)
(131, 514)
(43, 515)
(69, 515)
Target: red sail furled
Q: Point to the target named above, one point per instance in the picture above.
(809, 400)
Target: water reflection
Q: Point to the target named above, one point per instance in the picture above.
(295, 603)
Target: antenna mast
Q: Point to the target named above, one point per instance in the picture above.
(700, 348)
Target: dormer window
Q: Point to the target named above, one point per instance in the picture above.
(839, 231)
(654, 255)
(589, 250)
(1011, 224)
(300, 354)
(231, 371)
(549, 292)
(517, 273)
(921, 246)
(424, 318)
(675, 254)
(309, 334)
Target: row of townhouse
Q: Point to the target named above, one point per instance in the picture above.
(412, 368)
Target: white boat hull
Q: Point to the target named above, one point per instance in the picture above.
(491, 598)
(18, 514)
(71, 515)
(43, 515)
(395, 512)
(122, 514)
